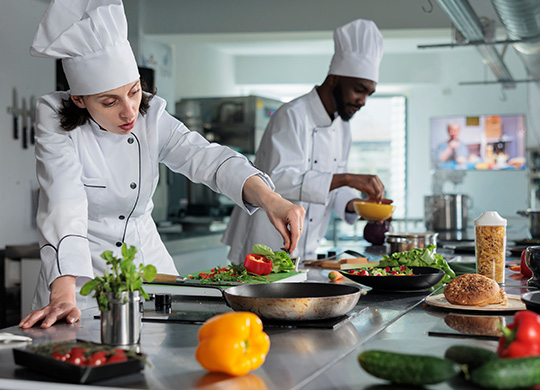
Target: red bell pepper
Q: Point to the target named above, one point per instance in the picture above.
(258, 264)
(522, 338)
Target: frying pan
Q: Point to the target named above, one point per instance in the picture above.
(289, 301)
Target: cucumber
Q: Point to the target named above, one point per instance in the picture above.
(473, 357)
(407, 369)
(508, 373)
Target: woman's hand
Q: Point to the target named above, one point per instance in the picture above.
(63, 304)
(286, 217)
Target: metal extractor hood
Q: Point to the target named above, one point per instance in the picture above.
(521, 20)
(466, 21)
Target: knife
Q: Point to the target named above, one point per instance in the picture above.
(24, 113)
(32, 115)
(15, 113)
(173, 279)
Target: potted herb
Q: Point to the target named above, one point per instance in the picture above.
(118, 296)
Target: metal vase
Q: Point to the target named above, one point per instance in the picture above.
(121, 324)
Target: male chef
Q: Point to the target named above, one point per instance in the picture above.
(306, 146)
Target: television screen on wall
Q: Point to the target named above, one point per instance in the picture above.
(483, 142)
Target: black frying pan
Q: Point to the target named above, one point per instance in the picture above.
(289, 301)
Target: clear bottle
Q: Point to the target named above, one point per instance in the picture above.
(490, 240)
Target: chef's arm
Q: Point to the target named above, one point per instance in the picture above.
(63, 304)
(286, 217)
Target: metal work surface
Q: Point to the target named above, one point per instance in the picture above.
(298, 358)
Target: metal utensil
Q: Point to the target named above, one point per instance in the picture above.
(32, 116)
(14, 111)
(24, 114)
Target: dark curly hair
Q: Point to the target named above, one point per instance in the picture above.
(71, 116)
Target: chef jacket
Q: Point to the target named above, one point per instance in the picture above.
(301, 150)
(96, 188)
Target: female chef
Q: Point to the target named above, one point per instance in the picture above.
(98, 147)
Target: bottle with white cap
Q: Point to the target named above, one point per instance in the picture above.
(490, 230)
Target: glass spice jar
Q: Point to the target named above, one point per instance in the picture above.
(490, 244)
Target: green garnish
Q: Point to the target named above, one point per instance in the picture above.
(281, 260)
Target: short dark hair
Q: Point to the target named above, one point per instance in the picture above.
(72, 116)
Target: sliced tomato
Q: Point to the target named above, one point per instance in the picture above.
(258, 264)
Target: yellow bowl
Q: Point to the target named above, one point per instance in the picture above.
(374, 211)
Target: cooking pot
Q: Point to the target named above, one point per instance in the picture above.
(446, 212)
(534, 222)
(401, 242)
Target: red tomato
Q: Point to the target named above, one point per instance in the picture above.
(258, 264)
(525, 270)
(77, 356)
(59, 356)
(117, 359)
(98, 358)
(364, 273)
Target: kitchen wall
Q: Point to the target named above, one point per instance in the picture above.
(30, 76)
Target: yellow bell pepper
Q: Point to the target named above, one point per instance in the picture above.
(233, 343)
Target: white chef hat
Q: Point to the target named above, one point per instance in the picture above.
(358, 49)
(90, 36)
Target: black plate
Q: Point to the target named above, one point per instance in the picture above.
(531, 300)
(68, 372)
(424, 277)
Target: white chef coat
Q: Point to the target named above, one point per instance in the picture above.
(301, 149)
(96, 189)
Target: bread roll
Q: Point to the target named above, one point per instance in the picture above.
(474, 290)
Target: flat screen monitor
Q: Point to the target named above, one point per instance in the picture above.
(483, 142)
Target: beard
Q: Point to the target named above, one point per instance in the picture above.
(341, 106)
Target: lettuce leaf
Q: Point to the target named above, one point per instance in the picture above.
(281, 260)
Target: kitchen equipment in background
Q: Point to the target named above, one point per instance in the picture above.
(534, 221)
(238, 122)
(401, 242)
(25, 113)
(532, 259)
(446, 212)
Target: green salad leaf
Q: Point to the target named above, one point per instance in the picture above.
(420, 257)
(281, 260)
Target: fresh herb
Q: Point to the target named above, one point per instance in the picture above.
(420, 257)
(281, 260)
(124, 275)
(230, 273)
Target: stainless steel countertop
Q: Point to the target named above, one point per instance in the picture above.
(298, 358)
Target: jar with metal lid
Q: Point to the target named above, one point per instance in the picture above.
(490, 244)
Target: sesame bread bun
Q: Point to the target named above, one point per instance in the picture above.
(474, 290)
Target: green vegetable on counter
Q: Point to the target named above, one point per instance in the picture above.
(516, 373)
(281, 260)
(407, 369)
(420, 257)
(472, 357)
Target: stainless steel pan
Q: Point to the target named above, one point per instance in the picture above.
(289, 301)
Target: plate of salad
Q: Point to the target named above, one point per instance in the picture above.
(420, 257)
(398, 278)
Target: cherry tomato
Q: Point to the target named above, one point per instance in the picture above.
(117, 358)
(98, 358)
(59, 356)
(525, 270)
(77, 356)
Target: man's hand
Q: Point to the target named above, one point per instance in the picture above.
(370, 185)
(63, 304)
